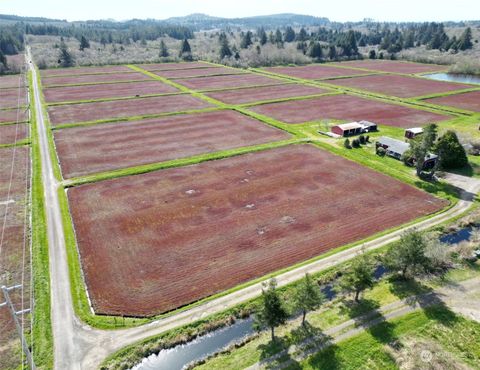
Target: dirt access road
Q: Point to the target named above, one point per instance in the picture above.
(78, 346)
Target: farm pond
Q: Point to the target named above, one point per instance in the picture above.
(453, 77)
(179, 357)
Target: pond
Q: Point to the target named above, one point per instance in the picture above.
(453, 77)
(456, 237)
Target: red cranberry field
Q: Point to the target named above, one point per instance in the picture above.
(154, 242)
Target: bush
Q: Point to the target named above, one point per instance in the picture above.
(381, 151)
(367, 139)
(362, 140)
(356, 143)
(346, 144)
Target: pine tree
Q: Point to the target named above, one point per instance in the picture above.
(360, 275)
(225, 51)
(465, 41)
(278, 38)
(163, 50)
(84, 44)
(302, 35)
(246, 40)
(185, 51)
(307, 296)
(315, 51)
(332, 52)
(262, 35)
(65, 58)
(3, 60)
(289, 34)
(272, 312)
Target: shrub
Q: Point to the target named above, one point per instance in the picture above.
(367, 139)
(381, 151)
(362, 140)
(356, 143)
(346, 144)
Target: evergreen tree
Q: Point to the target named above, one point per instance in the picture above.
(271, 38)
(307, 296)
(278, 38)
(3, 60)
(65, 58)
(359, 276)
(372, 54)
(315, 51)
(163, 50)
(246, 40)
(84, 44)
(332, 52)
(302, 35)
(185, 51)
(289, 34)
(272, 312)
(465, 41)
(225, 51)
(262, 35)
(302, 46)
(451, 153)
(408, 255)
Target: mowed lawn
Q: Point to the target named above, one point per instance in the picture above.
(154, 242)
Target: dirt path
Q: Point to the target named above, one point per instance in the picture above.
(454, 297)
(78, 346)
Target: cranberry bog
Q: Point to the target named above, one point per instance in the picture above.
(393, 66)
(9, 134)
(400, 86)
(12, 211)
(105, 91)
(196, 72)
(86, 150)
(172, 66)
(347, 107)
(84, 71)
(255, 94)
(94, 79)
(228, 81)
(13, 115)
(123, 108)
(314, 71)
(12, 98)
(468, 101)
(12, 81)
(154, 242)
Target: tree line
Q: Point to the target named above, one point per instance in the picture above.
(414, 254)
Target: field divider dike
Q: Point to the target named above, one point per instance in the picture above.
(51, 143)
(182, 162)
(448, 93)
(91, 83)
(73, 102)
(135, 118)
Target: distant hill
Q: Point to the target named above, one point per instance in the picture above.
(200, 21)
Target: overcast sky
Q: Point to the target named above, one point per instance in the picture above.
(337, 10)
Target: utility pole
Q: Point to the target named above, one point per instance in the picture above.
(9, 304)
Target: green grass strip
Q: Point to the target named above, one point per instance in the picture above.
(18, 143)
(42, 324)
(174, 163)
(446, 93)
(51, 144)
(92, 83)
(73, 102)
(132, 118)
